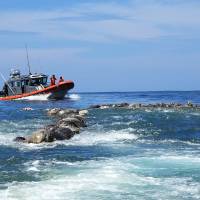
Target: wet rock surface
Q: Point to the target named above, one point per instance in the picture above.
(68, 123)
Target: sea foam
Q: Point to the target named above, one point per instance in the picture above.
(103, 179)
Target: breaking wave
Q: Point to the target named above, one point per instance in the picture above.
(89, 138)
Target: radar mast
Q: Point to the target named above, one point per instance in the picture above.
(28, 63)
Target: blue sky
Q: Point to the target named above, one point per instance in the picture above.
(129, 45)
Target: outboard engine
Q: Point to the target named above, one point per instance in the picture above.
(15, 73)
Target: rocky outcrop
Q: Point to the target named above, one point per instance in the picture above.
(188, 105)
(69, 122)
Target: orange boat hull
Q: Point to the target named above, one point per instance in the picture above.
(55, 91)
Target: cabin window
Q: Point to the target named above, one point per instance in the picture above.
(44, 80)
(35, 82)
(17, 84)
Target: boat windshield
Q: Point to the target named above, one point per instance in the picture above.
(38, 81)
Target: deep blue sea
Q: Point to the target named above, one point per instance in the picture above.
(122, 154)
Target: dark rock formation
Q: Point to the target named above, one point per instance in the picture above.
(20, 139)
(69, 122)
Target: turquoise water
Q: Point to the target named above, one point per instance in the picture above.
(122, 154)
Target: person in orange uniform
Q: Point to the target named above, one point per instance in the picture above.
(53, 80)
(61, 79)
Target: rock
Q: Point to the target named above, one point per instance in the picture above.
(37, 137)
(138, 105)
(63, 133)
(178, 105)
(94, 106)
(20, 139)
(74, 129)
(62, 112)
(131, 106)
(123, 105)
(54, 111)
(157, 105)
(163, 105)
(74, 122)
(83, 112)
(69, 123)
(67, 112)
(49, 133)
(189, 104)
(81, 119)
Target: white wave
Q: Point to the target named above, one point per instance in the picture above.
(87, 138)
(168, 111)
(148, 110)
(117, 117)
(105, 179)
(74, 97)
(169, 141)
(33, 166)
(41, 97)
(11, 129)
(195, 114)
(188, 159)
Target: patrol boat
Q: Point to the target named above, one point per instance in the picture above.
(20, 86)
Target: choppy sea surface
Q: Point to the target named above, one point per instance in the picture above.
(122, 154)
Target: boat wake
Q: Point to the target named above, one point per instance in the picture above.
(41, 97)
(73, 97)
(45, 97)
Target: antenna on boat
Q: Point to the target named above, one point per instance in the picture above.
(28, 63)
(2, 76)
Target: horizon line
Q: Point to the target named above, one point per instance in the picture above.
(135, 91)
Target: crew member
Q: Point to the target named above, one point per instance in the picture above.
(53, 80)
(61, 79)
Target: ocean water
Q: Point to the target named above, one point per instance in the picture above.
(122, 154)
